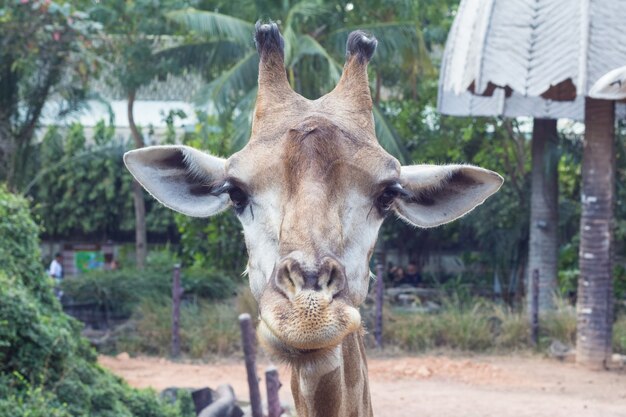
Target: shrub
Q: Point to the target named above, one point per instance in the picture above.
(619, 335)
(560, 323)
(207, 328)
(46, 368)
(457, 326)
(483, 325)
(120, 292)
(19, 246)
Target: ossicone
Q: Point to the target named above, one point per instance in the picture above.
(361, 45)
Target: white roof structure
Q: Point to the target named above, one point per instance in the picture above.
(152, 105)
(536, 58)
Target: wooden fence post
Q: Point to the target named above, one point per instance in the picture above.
(249, 349)
(272, 383)
(534, 321)
(177, 292)
(380, 290)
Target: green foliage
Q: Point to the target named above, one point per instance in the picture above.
(315, 34)
(138, 26)
(495, 237)
(46, 367)
(560, 323)
(32, 402)
(214, 242)
(207, 328)
(19, 245)
(120, 292)
(477, 325)
(619, 335)
(46, 50)
(83, 189)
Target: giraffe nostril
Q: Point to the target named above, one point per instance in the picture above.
(288, 278)
(328, 277)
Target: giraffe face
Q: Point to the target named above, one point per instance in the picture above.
(311, 203)
(311, 189)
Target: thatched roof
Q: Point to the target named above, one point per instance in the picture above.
(530, 57)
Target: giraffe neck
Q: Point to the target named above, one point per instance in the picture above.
(335, 386)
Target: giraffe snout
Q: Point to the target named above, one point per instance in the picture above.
(327, 278)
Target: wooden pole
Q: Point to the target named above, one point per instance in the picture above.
(380, 289)
(534, 323)
(249, 349)
(177, 292)
(272, 383)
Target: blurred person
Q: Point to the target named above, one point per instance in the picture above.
(398, 276)
(55, 271)
(413, 276)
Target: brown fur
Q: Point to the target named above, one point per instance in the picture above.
(328, 395)
(352, 362)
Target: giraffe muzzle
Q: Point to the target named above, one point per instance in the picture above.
(306, 309)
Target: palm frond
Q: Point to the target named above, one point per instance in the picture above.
(306, 9)
(387, 137)
(214, 25)
(307, 45)
(395, 40)
(243, 120)
(291, 45)
(212, 55)
(231, 84)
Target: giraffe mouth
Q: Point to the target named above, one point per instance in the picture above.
(306, 324)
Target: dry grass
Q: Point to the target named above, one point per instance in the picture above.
(475, 325)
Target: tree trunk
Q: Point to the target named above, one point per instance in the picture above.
(140, 205)
(543, 250)
(595, 284)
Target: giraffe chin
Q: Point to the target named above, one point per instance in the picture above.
(308, 325)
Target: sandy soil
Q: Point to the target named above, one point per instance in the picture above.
(437, 386)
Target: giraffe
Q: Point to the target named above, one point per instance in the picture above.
(311, 189)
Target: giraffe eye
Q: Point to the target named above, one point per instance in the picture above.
(385, 200)
(387, 197)
(239, 198)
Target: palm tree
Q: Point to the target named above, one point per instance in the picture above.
(137, 30)
(312, 48)
(543, 247)
(595, 284)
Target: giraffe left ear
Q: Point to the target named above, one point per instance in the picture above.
(438, 194)
(180, 177)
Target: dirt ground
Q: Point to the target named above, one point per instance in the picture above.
(425, 386)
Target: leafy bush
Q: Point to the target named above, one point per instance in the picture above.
(46, 368)
(19, 246)
(456, 326)
(619, 335)
(83, 189)
(479, 325)
(560, 324)
(207, 329)
(120, 292)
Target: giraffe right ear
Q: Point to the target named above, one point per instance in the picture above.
(180, 177)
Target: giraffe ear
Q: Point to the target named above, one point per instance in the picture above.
(437, 194)
(180, 177)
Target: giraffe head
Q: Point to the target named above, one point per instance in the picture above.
(311, 189)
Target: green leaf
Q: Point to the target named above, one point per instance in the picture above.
(387, 137)
(237, 80)
(307, 45)
(214, 25)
